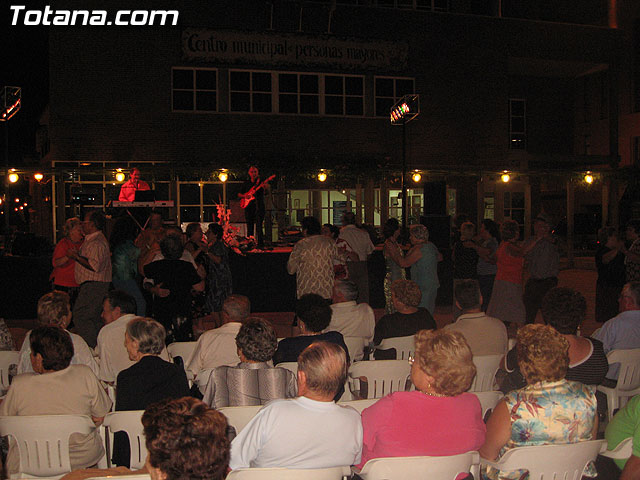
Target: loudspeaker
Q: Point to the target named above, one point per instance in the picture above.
(435, 198)
(439, 230)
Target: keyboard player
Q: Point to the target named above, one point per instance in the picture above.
(131, 186)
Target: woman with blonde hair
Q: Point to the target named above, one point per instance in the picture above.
(548, 410)
(63, 275)
(506, 298)
(423, 259)
(439, 417)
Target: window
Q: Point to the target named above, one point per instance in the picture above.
(194, 90)
(343, 95)
(635, 151)
(296, 93)
(517, 124)
(299, 93)
(388, 91)
(428, 5)
(250, 91)
(514, 208)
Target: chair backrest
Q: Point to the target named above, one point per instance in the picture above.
(332, 473)
(488, 400)
(382, 377)
(487, 366)
(43, 441)
(131, 423)
(629, 372)
(238, 417)
(7, 358)
(545, 462)
(359, 405)
(427, 468)
(404, 346)
(622, 451)
(291, 366)
(181, 349)
(355, 345)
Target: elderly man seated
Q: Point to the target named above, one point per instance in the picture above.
(310, 431)
(349, 318)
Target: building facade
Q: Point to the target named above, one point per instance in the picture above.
(299, 87)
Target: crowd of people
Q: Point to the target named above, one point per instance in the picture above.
(90, 336)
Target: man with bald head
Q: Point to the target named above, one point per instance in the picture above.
(217, 347)
(310, 431)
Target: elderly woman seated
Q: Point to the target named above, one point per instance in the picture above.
(77, 391)
(564, 309)
(253, 381)
(186, 440)
(408, 318)
(54, 310)
(149, 380)
(439, 417)
(548, 410)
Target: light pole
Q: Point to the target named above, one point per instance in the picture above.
(10, 103)
(405, 110)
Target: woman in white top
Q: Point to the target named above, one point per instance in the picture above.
(54, 311)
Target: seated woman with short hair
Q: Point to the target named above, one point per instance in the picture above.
(548, 410)
(253, 381)
(439, 417)
(149, 380)
(58, 388)
(186, 440)
(564, 309)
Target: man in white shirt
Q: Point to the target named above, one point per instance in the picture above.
(622, 332)
(217, 347)
(360, 243)
(310, 431)
(118, 309)
(485, 335)
(348, 317)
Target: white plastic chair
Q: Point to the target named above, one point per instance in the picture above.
(382, 377)
(427, 468)
(628, 379)
(488, 400)
(404, 346)
(355, 345)
(546, 462)
(291, 366)
(43, 441)
(622, 451)
(359, 405)
(333, 473)
(487, 366)
(131, 423)
(7, 358)
(238, 417)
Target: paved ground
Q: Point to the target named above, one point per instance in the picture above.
(582, 278)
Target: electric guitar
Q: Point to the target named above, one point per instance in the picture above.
(251, 194)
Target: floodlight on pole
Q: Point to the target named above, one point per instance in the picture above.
(10, 102)
(405, 110)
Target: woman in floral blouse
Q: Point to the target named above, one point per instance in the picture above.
(548, 410)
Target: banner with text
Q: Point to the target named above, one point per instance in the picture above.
(291, 49)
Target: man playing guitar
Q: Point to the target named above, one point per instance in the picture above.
(254, 211)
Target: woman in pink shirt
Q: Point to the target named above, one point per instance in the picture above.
(438, 418)
(506, 299)
(63, 274)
